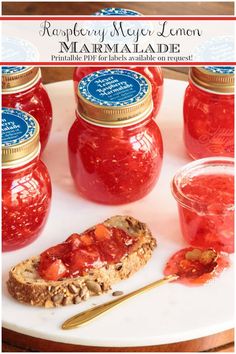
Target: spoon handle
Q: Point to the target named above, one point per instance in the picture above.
(89, 315)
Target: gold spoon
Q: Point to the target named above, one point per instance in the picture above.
(89, 315)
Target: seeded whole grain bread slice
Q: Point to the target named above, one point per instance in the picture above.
(26, 286)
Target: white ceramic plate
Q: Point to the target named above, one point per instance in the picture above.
(168, 314)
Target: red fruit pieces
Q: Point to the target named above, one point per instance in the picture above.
(54, 271)
(81, 252)
(102, 233)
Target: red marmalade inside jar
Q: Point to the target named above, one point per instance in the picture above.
(81, 252)
(26, 197)
(213, 225)
(102, 158)
(196, 266)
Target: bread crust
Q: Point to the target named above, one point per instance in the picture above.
(25, 285)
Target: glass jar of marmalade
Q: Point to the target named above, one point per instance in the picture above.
(115, 147)
(209, 112)
(204, 190)
(22, 88)
(26, 185)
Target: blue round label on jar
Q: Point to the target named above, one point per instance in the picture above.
(17, 126)
(221, 69)
(13, 69)
(115, 11)
(113, 87)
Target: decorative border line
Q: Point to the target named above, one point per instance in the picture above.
(117, 64)
(110, 18)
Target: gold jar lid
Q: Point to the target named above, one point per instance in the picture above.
(20, 137)
(114, 97)
(213, 78)
(19, 78)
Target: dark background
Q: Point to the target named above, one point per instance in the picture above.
(146, 8)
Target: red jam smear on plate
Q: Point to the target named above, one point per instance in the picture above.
(213, 226)
(196, 266)
(82, 252)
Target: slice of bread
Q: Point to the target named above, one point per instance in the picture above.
(26, 286)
